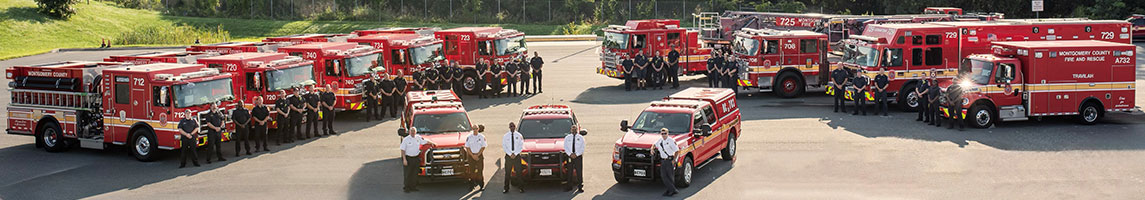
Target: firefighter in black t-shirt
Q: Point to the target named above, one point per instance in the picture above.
(260, 118)
(418, 80)
(312, 126)
(839, 81)
(386, 89)
(215, 127)
(480, 81)
(881, 82)
(189, 134)
(445, 79)
(537, 63)
(514, 72)
(327, 101)
(399, 93)
(432, 77)
(498, 74)
(370, 93)
(296, 113)
(282, 118)
(458, 75)
(628, 66)
(526, 72)
(242, 136)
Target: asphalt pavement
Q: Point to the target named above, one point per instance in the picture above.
(789, 149)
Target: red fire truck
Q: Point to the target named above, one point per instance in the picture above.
(308, 38)
(716, 28)
(910, 51)
(544, 128)
(784, 62)
(239, 47)
(403, 49)
(1085, 78)
(161, 57)
(468, 44)
(942, 10)
(96, 104)
(647, 36)
(263, 74)
(690, 116)
(440, 118)
(400, 30)
(347, 64)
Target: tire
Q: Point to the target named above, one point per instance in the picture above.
(619, 178)
(52, 138)
(469, 82)
(684, 177)
(729, 152)
(143, 145)
(1089, 113)
(982, 116)
(788, 85)
(906, 99)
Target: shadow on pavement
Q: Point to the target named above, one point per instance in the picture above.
(655, 189)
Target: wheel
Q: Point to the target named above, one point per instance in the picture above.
(983, 116)
(619, 178)
(1089, 113)
(684, 178)
(52, 138)
(729, 152)
(789, 86)
(907, 100)
(469, 82)
(143, 145)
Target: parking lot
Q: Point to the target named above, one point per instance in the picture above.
(789, 149)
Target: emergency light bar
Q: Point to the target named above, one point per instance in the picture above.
(869, 38)
(288, 59)
(201, 73)
(674, 104)
(443, 104)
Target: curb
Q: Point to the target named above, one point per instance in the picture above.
(561, 38)
(113, 49)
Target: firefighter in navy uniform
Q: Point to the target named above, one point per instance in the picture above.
(370, 96)
(526, 72)
(935, 93)
(920, 91)
(641, 66)
(656, 75)
(418, 80)
(399, 93)
(285, 128)
(445, 76)
(328, 100)
(954, 105)
(537, 63)
(458, 76)
(387, 95)
(514, 72)
(432, 77)
(881, 82)
(480, 82)
(732, 68)
(674, 67)
(498, 72)
(713, 77)
(312, 126)
(860, 84)
(189, 132)
(296, 113)
(628, 66)
(260, 117)
(242, 135)
(215, 132)
(839, 79)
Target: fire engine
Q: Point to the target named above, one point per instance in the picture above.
(263, 74)
(225, 48)
(440, 118)
(96, 104)
(308, 38)
(689, 116)
(160, 57)
(716, 28)
(400, 30)
(468, 44)
(910, 51)
(1083, 78)
(347, 64)
(648, 36)
(1138, 22)
(785, 62)
(404, 51)
(544, 128)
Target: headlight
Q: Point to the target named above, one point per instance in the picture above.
(616, 152)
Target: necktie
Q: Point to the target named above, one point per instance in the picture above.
(513, 139)
(574, 144)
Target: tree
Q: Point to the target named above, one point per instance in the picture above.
(56, 8)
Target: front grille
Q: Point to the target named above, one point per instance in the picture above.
(637, 155)
(443, 156)
(551, 158)
(610, 60)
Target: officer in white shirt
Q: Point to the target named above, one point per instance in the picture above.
(666, 148)
(475, 148)
(513, 143)
(411, 148)
(574, 147)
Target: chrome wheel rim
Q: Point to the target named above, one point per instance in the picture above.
(912, 100)
(732, 146)
(469, 83)
(1090, 114)
(50, 137)
(982, 117)
(142, 146)
(688, 173)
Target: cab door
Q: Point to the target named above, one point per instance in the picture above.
(1007, 79)
(697, 142)
(770, 54)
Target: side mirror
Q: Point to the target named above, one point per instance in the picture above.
(704, 130)
(583, 132)
(402, 132)
(624, 125)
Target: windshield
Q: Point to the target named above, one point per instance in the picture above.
(199, 93)
(290, 77)
(652, 122)
(426, 54)
(980, 71)
(361, 65)
(860, 55)
(745, 46)
(441, 123)
(545, 128)
(510, 45)
(615, 40)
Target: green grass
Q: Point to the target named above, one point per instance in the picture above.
(24, 32)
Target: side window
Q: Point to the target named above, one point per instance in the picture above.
(772, 47)
(808, 46)
(892, 58)
(299, 54)
(254, 81)
(484, 48)
(916, 57)
(638, 41)
(710, 115)
(933, 39)
(161, 95)
(215, 65)
(916, 40)
(901, 40)
(450, 45)
(674, 38)
(1005, 73)
(122, 93)
(934, 56)
(697, 119)
(331, 65)
(398, 56)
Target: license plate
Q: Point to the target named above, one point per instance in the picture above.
(447, 172)
(639, 172)
(546, 172)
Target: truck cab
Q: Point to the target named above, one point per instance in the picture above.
(263, 75)
(705, 122)
(647, 36)
(440, 118)
(346, 64)
(310, 38)
(466, 45)
(405, 51)
(785, 62)
(544, 128)
(225, 48)
(161, 57)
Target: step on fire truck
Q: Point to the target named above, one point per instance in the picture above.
(239, 47)
(544, 128)
(440, 118)
(347, 65)
(705, 122)
(910, 51)
(466, 45)
(263, 75)
(309, 38)
(716, 28)
(405, 51)
(784, 62)
(96, 104)
(160, 57)
(649, 36)
(1083, 78)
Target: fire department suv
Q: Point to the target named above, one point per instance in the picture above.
(647, 36)
(785, 62)
(95, 104)
(440, 118)
(1019, 80)
(544, 128)
(346, 64)
(689, 116)
(468, 44)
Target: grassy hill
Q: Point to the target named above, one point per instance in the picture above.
(24, 32)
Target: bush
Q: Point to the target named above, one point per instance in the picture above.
(174, 35)
(56, 8)
(572, 28)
